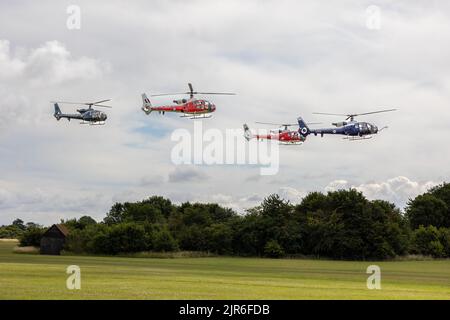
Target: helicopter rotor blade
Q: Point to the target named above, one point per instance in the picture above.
(66, 102)
(102, 106)
(221, 93)
(169, 94)
(372, 112)
(85, 103)
(101, 101)
(331, 114)
(286, 124)
(351, 116)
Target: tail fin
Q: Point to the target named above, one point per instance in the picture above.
(247, 133)
(303, 127)
(146, 104)
(58, 112)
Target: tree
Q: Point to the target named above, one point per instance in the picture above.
(18, 223)
(31, 237)
(426, 241)
(427, 210)
(163, 241)
(80, 224)
(121, 238)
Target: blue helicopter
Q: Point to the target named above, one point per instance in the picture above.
(351, 129)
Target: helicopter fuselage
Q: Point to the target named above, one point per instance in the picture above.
(352, 129)
(191, 106)
(87, 115)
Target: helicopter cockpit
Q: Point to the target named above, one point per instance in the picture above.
(206, 105)
(366, 128)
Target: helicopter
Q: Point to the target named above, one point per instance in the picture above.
(86, 115)
(282, 134)
(191, 108)
(351, 129)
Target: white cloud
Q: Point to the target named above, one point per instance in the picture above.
(49, 64)
(293, 195)
(397, 190)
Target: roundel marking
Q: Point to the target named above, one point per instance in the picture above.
(304, 130)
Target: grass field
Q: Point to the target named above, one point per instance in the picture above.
(28, 276)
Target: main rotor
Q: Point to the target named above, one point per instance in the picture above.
(285, 125)
(351, 117)
(90, 104)
(191, 93)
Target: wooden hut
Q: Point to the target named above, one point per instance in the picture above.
(53, 239)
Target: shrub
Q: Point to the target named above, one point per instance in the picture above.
(163, 241)
(426, 241)
(272, 249)
(31, 237)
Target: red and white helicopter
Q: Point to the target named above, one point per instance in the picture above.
(191, 108)
(282, 134)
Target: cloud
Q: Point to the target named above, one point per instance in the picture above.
(49, 64)
(397, 190)
(293, 195)
(151, 181)
(187, 174)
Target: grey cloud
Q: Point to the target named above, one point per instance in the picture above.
(186, 174)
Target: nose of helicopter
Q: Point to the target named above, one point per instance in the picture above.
(375, 129)
(104, 116)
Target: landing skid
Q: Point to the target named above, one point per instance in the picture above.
(357, 138)
(97, 123)
(291, 143)
(196, 116)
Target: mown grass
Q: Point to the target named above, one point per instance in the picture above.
(24, 276)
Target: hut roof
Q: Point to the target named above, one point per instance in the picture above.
(60, 227)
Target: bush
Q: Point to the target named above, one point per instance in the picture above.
(163, 241)
(31, 237)
(272, 249)
(426, 241)
(120, 238)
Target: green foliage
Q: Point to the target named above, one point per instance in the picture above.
(426, 241)
(427, 210)
(80, 224)
(272, 249)
(121, 238)
(163, 241)
(16, 229)
(431, 208)
(345, 225)
(31, 237)
(339, 225)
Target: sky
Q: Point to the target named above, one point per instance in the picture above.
(284, 59)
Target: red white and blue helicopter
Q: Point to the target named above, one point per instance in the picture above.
(351, 129)
(283, 134)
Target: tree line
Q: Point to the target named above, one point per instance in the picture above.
(339, 225)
